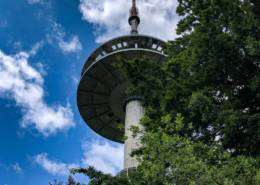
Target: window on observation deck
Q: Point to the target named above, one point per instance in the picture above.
(154, 46)
(114, 47)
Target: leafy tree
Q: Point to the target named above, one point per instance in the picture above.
(212, 78)
(175, 159)
(71, 181)
(98, 177)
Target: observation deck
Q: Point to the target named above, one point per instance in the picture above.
(102, 87)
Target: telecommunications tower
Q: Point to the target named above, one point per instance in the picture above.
(101, 98)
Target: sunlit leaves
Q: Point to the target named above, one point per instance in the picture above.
(202, 120)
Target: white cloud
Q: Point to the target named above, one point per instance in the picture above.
(40, 66)
(35, 48)
(24, 84)
(39, 15)
(15, 167)
(17, 45)
(42, 2)
(53, 167)
(72, 46)
(75, 80)
(103, 157)
(2, 165)
(18, 169)
(110, 17)
(57, 35)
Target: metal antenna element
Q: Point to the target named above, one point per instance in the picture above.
(134, 19)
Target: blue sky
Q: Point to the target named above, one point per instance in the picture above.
(43, 47)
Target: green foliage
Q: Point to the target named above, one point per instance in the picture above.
(121, 127)
(213, 79)
(99, 178)
(212, 76)
(71, 181)
(168, 160)
(176, 160)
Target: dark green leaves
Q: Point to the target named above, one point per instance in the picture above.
(212, 80)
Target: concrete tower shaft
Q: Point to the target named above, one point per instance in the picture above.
(134, 112)
(134, 19)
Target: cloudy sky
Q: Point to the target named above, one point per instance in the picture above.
(43, 47)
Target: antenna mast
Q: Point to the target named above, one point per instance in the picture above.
(134, 19)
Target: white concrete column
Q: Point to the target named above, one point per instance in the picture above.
(134, 112)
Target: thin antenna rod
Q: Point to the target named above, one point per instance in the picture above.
(134, 19)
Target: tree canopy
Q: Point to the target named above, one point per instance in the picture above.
(210, 80)
(212, 76)
(71, 181)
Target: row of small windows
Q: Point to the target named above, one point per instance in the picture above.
(154, 46)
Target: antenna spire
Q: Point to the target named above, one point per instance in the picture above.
(134, 19)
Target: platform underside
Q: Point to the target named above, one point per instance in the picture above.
(102, 89)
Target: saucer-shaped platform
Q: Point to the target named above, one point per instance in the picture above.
(102, 87)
